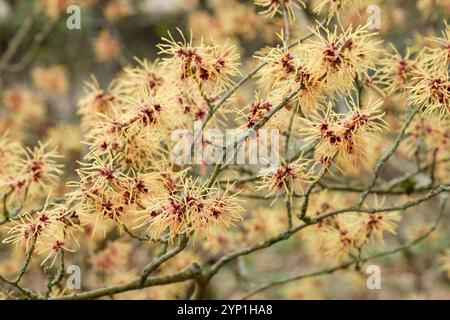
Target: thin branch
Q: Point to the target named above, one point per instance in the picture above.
(388, 154)
(155, 263)
(187, 273)
(348, 264)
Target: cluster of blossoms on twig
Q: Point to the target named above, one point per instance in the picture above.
(126, 180)
(321, 68)
(422, 76)
(344, 138)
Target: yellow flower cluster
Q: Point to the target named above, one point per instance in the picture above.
(319, 68)
(344, 138)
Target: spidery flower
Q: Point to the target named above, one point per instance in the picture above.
(431, 92)
(272, 7)
(345, 137)
(289, 178)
